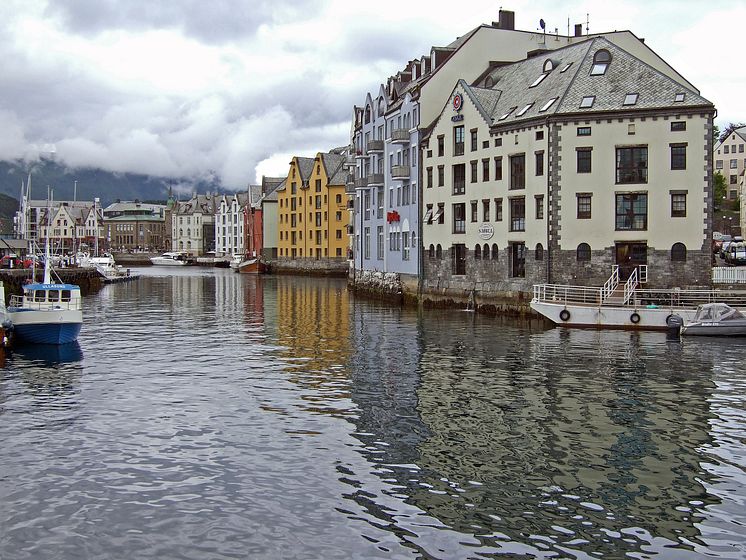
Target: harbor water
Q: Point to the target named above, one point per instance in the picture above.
(205, 414)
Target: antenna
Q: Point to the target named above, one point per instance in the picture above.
(587, 22)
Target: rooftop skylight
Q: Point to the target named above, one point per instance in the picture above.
(630, 99)
(679, 97)
(587, 101)
(566, 68)
(523, 111)
(538, 80)
(506, 115)
(548, 104)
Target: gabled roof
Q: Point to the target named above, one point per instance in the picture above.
(272, 196)
(305, 167)
(334, 168)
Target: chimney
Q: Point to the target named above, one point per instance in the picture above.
(578, 29)
(507, 20)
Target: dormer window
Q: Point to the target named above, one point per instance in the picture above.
(679, 97)
(548, 104)
(630, 99)
(506, 115)
(587, 101)
(489, 82)
(523, 111)
(548, 65)
(601, 61)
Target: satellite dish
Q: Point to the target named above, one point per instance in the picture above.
(542, 24)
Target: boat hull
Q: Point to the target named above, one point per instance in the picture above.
(47, 327)
(159, 261)
(252, 266)
(605, 317)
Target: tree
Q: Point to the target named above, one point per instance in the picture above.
(729, 130)
(719, 190)
(715, 135)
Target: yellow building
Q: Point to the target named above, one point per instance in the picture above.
(313, 214)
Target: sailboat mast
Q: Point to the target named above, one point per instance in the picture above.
(47, 265)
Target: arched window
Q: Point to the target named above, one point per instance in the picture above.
(367, 114)
(181, 233)
(584, 252)
(414, 239)
(189, 233)
(489, 82)
(432, 251)
(478, 252)
(495, 252)
(539, 252)
(438, 252)
(601, 60)
(548, 65)
(381, 106)
(486, 251)
(678, 252)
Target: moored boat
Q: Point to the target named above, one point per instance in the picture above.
(716, 319)
(253, 265)
(170, 258)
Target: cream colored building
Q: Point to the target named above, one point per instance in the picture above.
(730, 160)
(556, 168)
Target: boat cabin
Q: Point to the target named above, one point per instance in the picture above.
(716, 313)
(47, 296)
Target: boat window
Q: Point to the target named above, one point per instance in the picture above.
(705, 314)
(66, 295)
(39, 295)
(53, 295)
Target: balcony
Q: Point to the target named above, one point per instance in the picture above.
(361, 182)
(400, 172)
(359, 154)
(350, 180)
(375, 179)
(400, 136)
(375, 147)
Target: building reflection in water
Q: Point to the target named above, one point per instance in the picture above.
(313, 327)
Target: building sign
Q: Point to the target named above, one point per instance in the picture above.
(486, 231)
(457, 102)
(457, 118)
(392, 216)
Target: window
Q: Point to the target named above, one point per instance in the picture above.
(583, 253)
(440, 214)
(740, 148)
(523, 111)
(678, 252)
(477, 252)
(733, 163)
(584, 206)
(405, 246)
(474, 211)
(486, 210)
(495, 252)
(584, 159)
(428, 217)
(733, 180)
(458, 140)
(630, 99)
(539, 252)
(547, 105)
(538, 80)
(719, 164)
(458, 267)
(678, 204)
(584, 131)
(474, 143)
(518, 172)
(498, 209)
(540, 135)
(631, 211)
(498, 169)
(485, 170)
(459, 178)
(518, 260)
(441, 143)
(366, 247)
(679, 97)
(587, 101)
(431, 251)
(632, 165)
(438, 252)
(429, 177)
(566, 68)
(678, 156)
(473, 166)
(518, 214)
(678, 126)
(459, 218)
(539, 163)
(506, 115)
(539, 199)
(379, 243)
(498, 142)
(441, 175)
(726, 149)
(601, 60)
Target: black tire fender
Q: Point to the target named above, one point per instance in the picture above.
(564, 315)
(635, 317)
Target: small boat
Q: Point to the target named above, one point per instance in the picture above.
(253, 265)
(170, 259)
(47, 313)
(106, 266)
(716, 319)
(235, 261)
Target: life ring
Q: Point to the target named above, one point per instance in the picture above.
(635, 317)
(564, 315)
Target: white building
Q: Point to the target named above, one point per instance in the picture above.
(193, 225)
(229, 224)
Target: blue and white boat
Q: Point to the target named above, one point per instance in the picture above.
(47, 313)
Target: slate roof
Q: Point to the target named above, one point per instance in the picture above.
(255, 195)
(305, 167)
(198, 204)
(625, 74)
(334, 167)
(272, 196)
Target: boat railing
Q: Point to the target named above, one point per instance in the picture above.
(611, 284)
(672, 298)
(630, 285)
(19, 301)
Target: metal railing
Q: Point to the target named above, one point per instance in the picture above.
(611, 284)
(630, 285)
(45, 305)
(729, 275)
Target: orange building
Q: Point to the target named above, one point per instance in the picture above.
(313, 216)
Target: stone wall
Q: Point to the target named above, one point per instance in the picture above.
(387, 286)
(311, 267)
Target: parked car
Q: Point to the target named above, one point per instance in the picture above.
(717, 243)
(736, 253)
(727, 240)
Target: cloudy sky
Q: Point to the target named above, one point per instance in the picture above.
(233, 88)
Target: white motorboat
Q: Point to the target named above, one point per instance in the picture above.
(716, 319)
(105, 266)
(171, 258)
